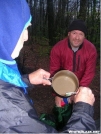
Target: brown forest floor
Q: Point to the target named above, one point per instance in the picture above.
(29, 60)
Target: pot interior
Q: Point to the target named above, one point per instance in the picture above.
(65, 82)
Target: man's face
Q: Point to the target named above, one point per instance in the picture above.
(76, 38)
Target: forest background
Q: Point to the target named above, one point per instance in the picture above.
(51, 18)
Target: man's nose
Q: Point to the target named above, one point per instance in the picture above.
(77, 37)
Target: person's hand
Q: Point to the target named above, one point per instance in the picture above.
(39, 77)
(84, 94)
(60, 102)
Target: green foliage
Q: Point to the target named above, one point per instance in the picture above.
(59, 34)
(44, 48)
(93, 26)
(40, 40)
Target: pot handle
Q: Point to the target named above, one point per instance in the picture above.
(50, 79)
(70, 93)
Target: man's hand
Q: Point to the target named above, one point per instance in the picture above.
(39, 77)
(84, 94)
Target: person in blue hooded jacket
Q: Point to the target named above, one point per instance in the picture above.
(17, 115)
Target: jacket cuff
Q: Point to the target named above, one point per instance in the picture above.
(83, 107)
(25, 78)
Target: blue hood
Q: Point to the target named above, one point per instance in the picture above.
(14, 18)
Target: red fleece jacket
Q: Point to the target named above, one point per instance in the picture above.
(81, 62)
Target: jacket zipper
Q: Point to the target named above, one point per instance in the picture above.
(74, 61)
(78, 63)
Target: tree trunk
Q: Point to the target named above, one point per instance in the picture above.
(83, 9)
(50, 14)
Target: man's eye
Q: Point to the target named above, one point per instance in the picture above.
(81, 34)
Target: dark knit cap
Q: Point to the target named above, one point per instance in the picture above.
(78, 25)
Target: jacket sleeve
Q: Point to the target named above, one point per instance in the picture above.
(55, 64)
(26, 80)
(81, 119)
(90, 68)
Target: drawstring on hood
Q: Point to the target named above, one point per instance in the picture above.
(14, 18)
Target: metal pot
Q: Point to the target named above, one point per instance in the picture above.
(65, 83)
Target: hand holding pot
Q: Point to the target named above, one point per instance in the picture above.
(84, 94)
(39, 77)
